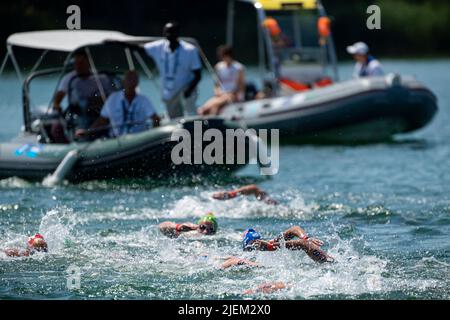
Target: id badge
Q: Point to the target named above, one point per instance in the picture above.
(170, 83)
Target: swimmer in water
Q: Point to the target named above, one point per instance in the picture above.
(253, 241)
(35, 244)
(205, 226)
(250, 190)
(267, 288)
(235, 262)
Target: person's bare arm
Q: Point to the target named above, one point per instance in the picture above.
(235, 261)
(267, 288)
(297, 232)
(312, 250)
(197, 78)
(57, 100)
(263, 245)
(217, 90)
(241, 83)
(173, 230)
(14, 253)
(246, 191)
(93, 130)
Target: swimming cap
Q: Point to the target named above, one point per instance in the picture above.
(209, 218)
(35, 237)
(250, 236)
(37, 244)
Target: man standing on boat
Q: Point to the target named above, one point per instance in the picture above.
(180, 68)
(366, 64)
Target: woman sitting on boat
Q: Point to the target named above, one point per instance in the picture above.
(231, 86)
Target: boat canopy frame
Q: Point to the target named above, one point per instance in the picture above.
(265, 48)
(47, 41)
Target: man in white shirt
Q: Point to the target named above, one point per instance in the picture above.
(180, 68)
(125, 112)
(366, 64)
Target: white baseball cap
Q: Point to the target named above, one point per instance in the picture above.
(358, 48)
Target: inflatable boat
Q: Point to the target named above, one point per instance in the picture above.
(356, 111)
(305, 98)
(137, 155)
(34, 155)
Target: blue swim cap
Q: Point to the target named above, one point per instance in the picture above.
(250, 235)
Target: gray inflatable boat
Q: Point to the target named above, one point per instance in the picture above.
(34, 155)
(356, 111)
(137, 155)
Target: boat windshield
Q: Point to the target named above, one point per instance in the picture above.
(295, 41)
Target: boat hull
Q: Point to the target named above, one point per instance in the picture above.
(360, 111)
(146, 154)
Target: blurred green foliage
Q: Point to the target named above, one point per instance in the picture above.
(409, 27)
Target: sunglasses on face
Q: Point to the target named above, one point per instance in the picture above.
(207, 228)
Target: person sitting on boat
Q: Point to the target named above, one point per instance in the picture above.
(366, 64)
(85, 96)
(205, 226)
(125, 112)
(231, 86)
(252, 240)
(180, 69)
(35, 244)
(250, 190)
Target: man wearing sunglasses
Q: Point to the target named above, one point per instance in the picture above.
(205, 226)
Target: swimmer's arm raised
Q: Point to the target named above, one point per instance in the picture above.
(312, 250)
(246, 191)
(298, 232)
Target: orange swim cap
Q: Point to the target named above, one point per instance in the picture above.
(272, 26)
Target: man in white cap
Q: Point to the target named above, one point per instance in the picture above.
(366, 64)
(180, 68)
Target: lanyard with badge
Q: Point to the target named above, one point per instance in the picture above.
(127, 117)
(169, 83)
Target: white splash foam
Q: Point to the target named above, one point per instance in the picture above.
(55, 231)
(15, 183)
(197, 206)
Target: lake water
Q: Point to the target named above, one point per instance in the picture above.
(383, 211)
